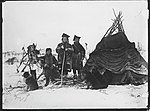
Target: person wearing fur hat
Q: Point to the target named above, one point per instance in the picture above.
(64, 50)
(78, 56)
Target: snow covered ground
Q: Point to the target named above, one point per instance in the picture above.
(115, 96)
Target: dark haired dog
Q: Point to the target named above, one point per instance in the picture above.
(95, 77)
(30, 81)
(94, 80)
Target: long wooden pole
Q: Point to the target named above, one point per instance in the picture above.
(21, 62)
(62, 69)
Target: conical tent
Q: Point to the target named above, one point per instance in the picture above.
(115, 57)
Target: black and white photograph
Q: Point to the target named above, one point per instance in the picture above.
(74, 54)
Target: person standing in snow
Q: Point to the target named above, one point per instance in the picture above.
(78, 56)
(64, 50)
(49, 64)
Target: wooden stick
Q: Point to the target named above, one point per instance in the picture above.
(114, 13)
(25, 66)
(117, 24)
(21, 61)
(40, 75)
(62, 69)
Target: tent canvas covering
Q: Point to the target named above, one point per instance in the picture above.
(117, 54)
(115, 60)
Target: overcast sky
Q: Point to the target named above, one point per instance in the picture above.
(43, 23)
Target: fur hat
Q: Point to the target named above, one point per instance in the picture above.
(76, 37)
(65, 35)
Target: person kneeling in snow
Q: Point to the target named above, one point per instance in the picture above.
(49, 66)
(30, 81)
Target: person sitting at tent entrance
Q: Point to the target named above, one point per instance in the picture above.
(64, 50)
(78, 56)
(49, 64)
